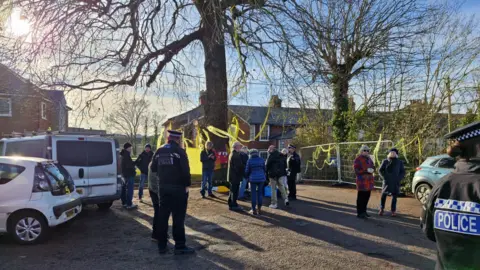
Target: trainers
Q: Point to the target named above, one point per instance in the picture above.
(273, 206)
(184, 251)
(393, 214)
(259, 211)
(211, 195)
(154, 239)
(380, 213)
(252, 212)
(366, 214)
(362, 216)
(287, 203)
(203, 196)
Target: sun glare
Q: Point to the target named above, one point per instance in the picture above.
(17, 25)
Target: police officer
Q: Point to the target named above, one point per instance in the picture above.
(451, 215)
(173, 171)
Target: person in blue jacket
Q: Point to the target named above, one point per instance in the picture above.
(255, 173)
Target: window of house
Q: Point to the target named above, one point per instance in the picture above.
(281, 144)
(252, 132)
(43, 107)
(5, 107)
(265, 136)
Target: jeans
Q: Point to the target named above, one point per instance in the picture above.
(127, 191)
(155, 204)
(292, 185)
(384, 199)
(143, 178)
(207, 180)
(257, 194)
(233, 196)
(243, 186)
(274, 182)
(172, 201)
(362, 201)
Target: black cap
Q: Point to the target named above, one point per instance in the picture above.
(127, 145)
(292, 146)
(464, 133)
(148, 146)
(394, 150)
(174, 133)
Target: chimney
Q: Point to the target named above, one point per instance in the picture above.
(275, 101)
(203, 98)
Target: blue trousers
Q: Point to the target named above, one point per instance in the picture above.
(384, 199)
(143, 178)
(257, 194)
(207, 180)
(127, 191)
(243, 186)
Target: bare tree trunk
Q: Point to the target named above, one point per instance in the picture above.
(216, 75)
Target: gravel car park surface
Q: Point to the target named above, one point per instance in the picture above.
(319, 231)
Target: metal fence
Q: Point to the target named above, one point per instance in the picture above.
(334, 162)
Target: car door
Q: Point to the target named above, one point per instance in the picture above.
(102, 169)
(71, 153)
(443, 167)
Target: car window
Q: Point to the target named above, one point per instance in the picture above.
(9, 172)
(99, 153)
(446, 163)
(26, 148)
(72, 153)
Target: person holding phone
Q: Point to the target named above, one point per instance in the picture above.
(364, 168)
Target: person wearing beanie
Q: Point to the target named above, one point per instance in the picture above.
(128, 173)
(392, 171)
(364, 168)
(142, 163)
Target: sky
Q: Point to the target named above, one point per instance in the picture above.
(164, 102)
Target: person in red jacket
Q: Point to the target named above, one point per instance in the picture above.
(364, 168)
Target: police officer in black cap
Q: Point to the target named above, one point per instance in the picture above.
(451, 215)
(170, 162)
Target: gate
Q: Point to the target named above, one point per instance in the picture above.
(333, 162)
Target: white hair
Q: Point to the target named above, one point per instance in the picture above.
(235, 144)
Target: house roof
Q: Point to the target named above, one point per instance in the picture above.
(251, 115)
(56, 96)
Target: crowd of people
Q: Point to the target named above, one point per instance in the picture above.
(454, 198)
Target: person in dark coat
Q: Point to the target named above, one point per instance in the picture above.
(294, 165)
(128, 173)
(451, 216)
(235, 176)
(392, 171)
(142, 163)
(276, 167)
(170, 163)
(243, 185)
(255, 173)
(207, 157)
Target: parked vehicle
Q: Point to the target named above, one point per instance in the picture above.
(92, 161)
(430, 172)
(35, 194)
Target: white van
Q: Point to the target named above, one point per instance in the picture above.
(92, 161)
(35, 194)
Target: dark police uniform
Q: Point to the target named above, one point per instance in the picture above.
(451, 215)
(173, 174)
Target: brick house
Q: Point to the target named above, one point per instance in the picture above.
(25, 107)
(279, 129)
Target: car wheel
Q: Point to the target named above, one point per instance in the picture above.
(28, 227)
(422, 192)
(105, 206)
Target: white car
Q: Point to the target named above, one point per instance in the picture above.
(35, 194)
